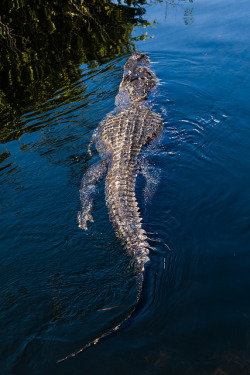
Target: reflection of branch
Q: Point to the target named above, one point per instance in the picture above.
(11, 37)
(188, 13)
(179, 3)
(101, 29)
(188, 16)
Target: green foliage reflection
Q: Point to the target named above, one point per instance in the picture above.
(44, 42)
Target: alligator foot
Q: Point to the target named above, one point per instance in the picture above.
(84, 216)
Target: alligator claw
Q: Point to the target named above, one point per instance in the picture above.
(83, 218)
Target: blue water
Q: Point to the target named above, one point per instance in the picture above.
(55, 279)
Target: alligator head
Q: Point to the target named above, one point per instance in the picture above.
(138, 79)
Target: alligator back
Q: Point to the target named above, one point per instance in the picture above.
(124, 135)
(119, 139)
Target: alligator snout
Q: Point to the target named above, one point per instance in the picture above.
(138, 79)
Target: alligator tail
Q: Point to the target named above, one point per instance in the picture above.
(118, 327)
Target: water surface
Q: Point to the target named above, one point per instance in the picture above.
(55, 279)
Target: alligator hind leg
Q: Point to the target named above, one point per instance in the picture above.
(89, 190)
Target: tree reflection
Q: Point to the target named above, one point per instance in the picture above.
(187, 8)
(43, 43)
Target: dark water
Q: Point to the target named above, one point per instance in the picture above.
(55, 279)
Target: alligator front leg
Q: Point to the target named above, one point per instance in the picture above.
(89, 190)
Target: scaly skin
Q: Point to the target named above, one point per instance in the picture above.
(119, 140)
(124, 135)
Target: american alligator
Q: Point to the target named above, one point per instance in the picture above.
(119, 140)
